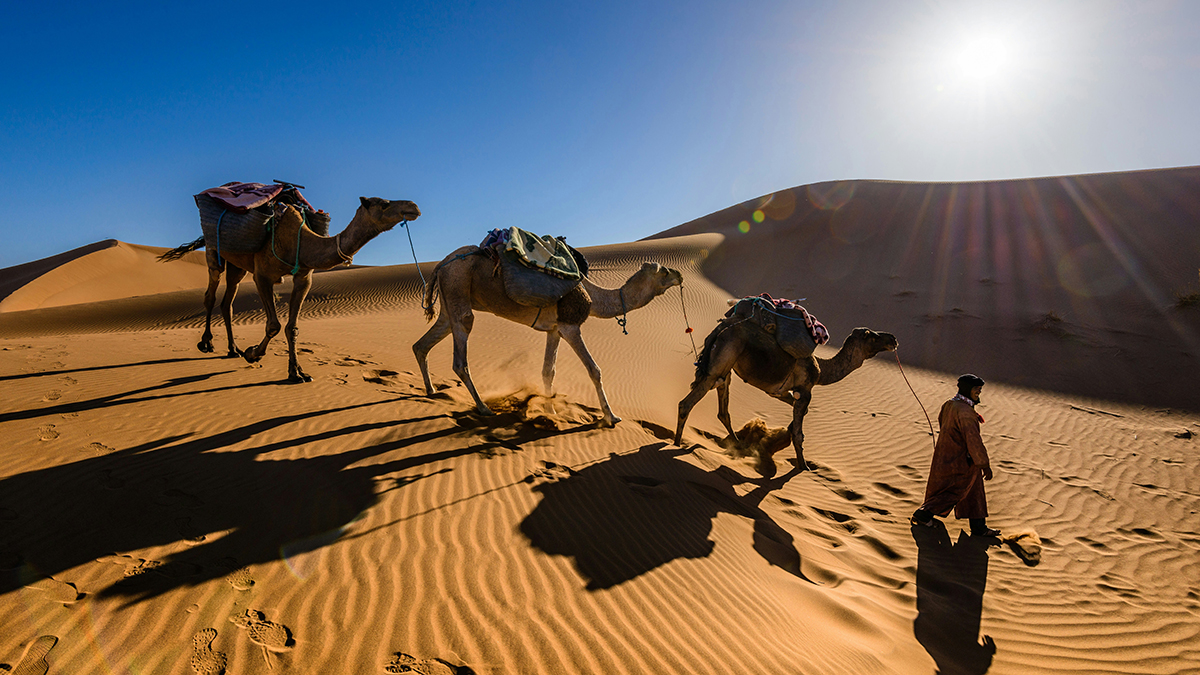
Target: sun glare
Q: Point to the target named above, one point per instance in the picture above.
(983, 58)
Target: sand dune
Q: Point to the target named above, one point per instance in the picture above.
(167, 511)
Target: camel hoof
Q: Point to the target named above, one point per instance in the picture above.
(251, 355)
(299, 378)
(234, 353)
(609, 422)
(205, 347)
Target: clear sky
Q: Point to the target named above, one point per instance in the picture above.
(602, 121)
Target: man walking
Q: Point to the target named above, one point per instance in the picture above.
(960, 463)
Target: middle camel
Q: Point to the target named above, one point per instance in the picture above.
(468, 283)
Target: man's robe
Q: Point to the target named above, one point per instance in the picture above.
(955, 480)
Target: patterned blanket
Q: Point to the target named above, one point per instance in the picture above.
(241, 197)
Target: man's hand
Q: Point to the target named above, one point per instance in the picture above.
(987, 472)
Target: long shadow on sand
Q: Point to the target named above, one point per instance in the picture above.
(231, 508)
(951, 579)
(88, 369)
(628, 515)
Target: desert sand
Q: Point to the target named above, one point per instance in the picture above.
(168, 511)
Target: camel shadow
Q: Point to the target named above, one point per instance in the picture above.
(951, 580)
(633, 513)
(146, 394)
(88, 369)
(219, 509)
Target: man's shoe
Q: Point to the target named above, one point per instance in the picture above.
(986, 532)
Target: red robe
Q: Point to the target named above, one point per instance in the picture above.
(955, 480)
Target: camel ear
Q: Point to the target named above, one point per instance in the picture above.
(363, 200)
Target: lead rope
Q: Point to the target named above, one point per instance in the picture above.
(688, 324)
(621, 320)
(896, 353)
(424, 286)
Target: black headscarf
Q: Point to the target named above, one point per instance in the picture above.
(968, 382)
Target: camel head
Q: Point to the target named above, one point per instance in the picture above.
(655, 278)
(872, 342)
(384, 214)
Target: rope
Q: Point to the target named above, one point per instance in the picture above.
(914, 393)
(621, 320)
(688, 324)
(424, 286)
(295, 267)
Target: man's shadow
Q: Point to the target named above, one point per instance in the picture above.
(951, 579)
(632, 513)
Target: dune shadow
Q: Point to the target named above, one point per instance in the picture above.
(951, 580)
(633, 513)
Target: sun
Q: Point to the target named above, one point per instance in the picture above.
(983, 58)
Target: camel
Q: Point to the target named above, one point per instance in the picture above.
(746, 349)
(298, 252)
(468, 283)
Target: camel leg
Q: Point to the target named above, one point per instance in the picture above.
(574, 338)
(719, 367)
(799, 410)
(233, 277)
(210, 300)
(552, 340)
(300, 285)
(436, 333)
(460, 327)
(723, 405)
(266, 293)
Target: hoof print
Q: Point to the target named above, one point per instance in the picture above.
(47, 432)
(206, 660)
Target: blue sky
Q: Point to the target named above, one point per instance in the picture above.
(605, 122)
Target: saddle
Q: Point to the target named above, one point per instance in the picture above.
(537, 271)
(235, 217)
(796, 331)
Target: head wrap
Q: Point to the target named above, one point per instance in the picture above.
(968, 382)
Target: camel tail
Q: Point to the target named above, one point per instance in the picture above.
(180, 251)
(429, 302)
(705, 357)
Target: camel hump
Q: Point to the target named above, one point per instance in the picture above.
(533, 288)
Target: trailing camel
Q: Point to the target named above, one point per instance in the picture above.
(307, 251)
(745, 348)
(468, 283)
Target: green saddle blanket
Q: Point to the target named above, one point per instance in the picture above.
(547, 254)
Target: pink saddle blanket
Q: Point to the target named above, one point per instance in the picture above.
(241, 197)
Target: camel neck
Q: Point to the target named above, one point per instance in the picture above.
(608, 303)
(848, 359)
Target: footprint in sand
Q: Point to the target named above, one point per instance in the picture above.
(56, 591)
(52, 395)
(111, 482)
(206, 660)
(890, 489)
(549, 473)
(407, 663)
(98, 449)
(47, 432)
(272, 637)
(240, 579)
(34, 661)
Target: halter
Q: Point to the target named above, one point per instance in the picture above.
(346, 259)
